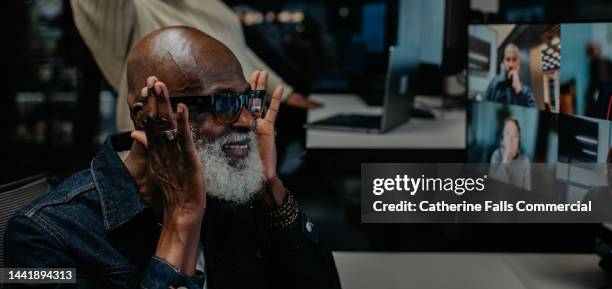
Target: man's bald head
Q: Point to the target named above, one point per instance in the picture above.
(187, 60)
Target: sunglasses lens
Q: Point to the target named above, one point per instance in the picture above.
(196, 114)
(255, 105)
(227, 109)
(197, 107)
(256, 102)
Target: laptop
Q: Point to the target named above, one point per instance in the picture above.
(397, 104)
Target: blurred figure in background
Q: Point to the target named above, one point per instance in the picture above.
(599, 74)
(567, 96)
(599, 91)
(111, 28)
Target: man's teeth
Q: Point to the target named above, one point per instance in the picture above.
(236, 146)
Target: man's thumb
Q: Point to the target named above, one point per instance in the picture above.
(140, 137)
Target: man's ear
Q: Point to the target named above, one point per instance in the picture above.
(136, 114)
(140, 137)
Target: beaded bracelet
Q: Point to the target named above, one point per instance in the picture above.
(285, 215)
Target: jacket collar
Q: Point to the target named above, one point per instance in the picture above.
(118, 191)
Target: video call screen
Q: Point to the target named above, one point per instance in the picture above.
(542, 93)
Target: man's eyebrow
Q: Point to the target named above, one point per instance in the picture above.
(247, 89)
(223, 90)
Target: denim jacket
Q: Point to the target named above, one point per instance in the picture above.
(96, 222)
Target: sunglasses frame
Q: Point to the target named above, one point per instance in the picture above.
(207, 102)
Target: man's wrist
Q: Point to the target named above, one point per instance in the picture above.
(179, 238)
(276, 190)
(272, 192)
(271, 176)
(183, 219)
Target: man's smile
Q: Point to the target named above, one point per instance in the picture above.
(236, 149)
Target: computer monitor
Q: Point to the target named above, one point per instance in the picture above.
(554, 80)
(398, 98)
(442, 43)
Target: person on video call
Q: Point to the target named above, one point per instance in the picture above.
(507, 87)
(111, 28)
(507, 163)
(191, 198)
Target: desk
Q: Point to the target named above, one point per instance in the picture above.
(468, 270)
(446, 132)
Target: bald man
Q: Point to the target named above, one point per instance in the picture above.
(507, 87)
(191, 198)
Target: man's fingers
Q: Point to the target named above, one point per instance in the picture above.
(151, 80)
(151, 122)
(253, 79)
(150, 112)
(262, 80)
(150, 108)
(140, 137)
(150, 104)
(143, 92)
(165, 114)
(182, 117)
(274, 104)
(137, 111)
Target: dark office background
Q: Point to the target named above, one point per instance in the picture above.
(57, 109)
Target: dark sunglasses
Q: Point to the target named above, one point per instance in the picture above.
(225, 106)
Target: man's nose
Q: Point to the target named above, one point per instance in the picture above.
(245, 120)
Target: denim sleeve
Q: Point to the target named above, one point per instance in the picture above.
(28, 245)
(160, 274)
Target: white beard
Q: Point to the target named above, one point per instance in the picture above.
(226, 179)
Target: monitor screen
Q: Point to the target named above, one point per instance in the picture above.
(542, 93)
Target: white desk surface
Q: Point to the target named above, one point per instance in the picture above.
(468, 270)
(445, 132)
